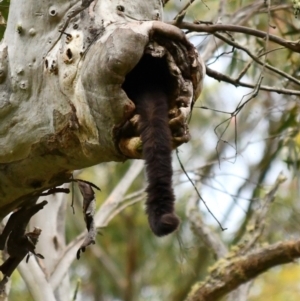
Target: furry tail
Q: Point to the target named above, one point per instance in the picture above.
(155, 133)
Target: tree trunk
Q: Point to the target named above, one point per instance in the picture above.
(63, 105)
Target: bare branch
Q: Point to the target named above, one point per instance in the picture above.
(222, 77)
(117, 194)
(292, 45)
(255, 58)
(239, 17)
(36, 281)
(229, 274)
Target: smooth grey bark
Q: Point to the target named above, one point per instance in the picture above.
(51, 242)
(62, 66)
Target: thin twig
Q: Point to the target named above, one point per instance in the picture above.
(255, 58)
(182, 11)
(198, 193)
(209, 237)
(222, 77)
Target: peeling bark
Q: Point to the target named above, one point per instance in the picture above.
(18, 243)
(62, 103)
(89, 205)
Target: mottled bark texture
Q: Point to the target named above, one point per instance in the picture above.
(227, 274)
(66, 68)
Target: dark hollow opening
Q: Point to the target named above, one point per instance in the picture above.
(69, 53)
(149, 72)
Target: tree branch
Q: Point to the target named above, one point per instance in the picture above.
(228, 275)
(292, 45)
(222, 77)
(36, 281)
(255, 58)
